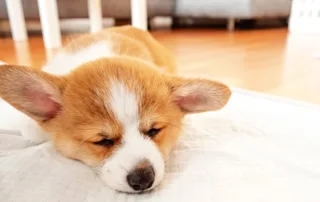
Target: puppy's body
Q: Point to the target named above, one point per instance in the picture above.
(107, 100)
(123, 41)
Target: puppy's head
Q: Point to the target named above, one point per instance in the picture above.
(119, 116)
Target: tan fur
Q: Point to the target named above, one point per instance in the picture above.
(84, 118)
(130, 41)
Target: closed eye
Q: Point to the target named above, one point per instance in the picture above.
(105, 142)
(153, 132)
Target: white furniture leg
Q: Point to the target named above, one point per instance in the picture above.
(231, 24)
(49, 23)
(17, 22)
(23, 53)
(139, 17)
(95, 15)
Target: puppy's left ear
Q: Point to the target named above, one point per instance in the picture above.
(199, 95)
(35, 93)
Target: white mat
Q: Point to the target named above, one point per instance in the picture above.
(257, 149)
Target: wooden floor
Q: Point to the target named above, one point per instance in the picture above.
(267, 60)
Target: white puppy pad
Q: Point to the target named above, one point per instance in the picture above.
(258, 148)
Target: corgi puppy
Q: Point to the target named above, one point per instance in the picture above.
(111, 100)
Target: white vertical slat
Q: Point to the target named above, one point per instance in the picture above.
(139, 16)
(23, 53)
(50, 23)
(95, 15)
(17, 22)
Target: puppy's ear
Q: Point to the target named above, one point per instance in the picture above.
(199, 95)
(36, 93)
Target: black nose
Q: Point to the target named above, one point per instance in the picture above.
(141, 178)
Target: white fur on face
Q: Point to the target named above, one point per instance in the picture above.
(134, 147)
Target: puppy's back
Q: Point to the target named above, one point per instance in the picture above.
(117, 41)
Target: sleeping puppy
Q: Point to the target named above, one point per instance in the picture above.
(111, 101)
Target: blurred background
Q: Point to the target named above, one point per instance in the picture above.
(270, 46)
(162, 13)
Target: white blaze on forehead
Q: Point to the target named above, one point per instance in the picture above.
(124, 104)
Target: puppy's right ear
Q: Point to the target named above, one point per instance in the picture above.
(199, 95)
(36, 93)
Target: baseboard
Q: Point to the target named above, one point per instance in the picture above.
(66, 25)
